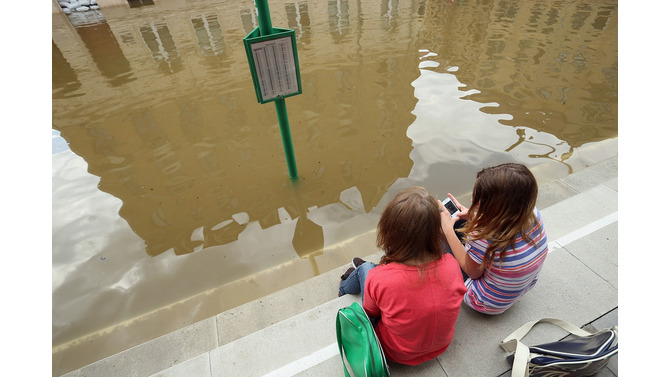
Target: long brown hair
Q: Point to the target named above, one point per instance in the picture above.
(410, 228)
(503, 203)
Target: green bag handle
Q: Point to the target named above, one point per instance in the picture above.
(348, 370)
(378, 358)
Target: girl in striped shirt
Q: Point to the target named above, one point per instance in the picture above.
(505, 243)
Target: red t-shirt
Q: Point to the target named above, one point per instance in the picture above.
(418, 310)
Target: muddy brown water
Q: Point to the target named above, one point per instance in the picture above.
(171, 195)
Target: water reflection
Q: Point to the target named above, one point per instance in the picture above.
(139, 3)
(249, 21)
(297, 15)
(389, 13)
(163, 49)
(209, 34)
(175, 173)
(95, 33)
(106, 53)
(553, 76)
(64, 79)
(338, 18)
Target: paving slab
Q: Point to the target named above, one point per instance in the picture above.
(279, 349)
(329, 368)
(578, 211)
(599, 253)
(157, 355)
(198, 366)
(276, 307)
(266, 311)
(553, 193)
(567, 289)
(599, 173)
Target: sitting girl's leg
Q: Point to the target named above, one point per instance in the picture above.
(355, 282)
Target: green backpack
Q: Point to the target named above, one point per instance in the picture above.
(361, 352)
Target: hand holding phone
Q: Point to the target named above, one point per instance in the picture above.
(451, 207)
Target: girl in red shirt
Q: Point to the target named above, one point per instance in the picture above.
(415, 293)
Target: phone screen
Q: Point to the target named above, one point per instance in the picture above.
(451, 207)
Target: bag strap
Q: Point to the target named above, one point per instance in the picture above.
(512, 343)
(525, 329)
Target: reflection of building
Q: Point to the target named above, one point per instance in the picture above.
(209, 34)
(298, 19)
(139, 3)
(338, 17)
(65, 81)
(105, 52)
(173, 129)
(186, 146)
(249, 21)
(553, 67)
(389, 15)
(157, 38)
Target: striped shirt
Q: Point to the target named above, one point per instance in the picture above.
(501, 285)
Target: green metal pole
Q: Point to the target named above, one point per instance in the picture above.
(280, 106)
(265, 26)
(264, 21)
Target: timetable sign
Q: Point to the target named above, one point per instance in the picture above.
(273, 60)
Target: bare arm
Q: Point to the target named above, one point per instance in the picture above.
(468, 265)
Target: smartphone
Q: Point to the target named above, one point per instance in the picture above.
(451, 207)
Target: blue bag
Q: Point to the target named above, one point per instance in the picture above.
(583, 354)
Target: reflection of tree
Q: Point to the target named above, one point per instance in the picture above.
(308, 237)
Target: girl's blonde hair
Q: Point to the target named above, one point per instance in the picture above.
(410, 228)
(503, 203)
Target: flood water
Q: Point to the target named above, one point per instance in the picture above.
(171, 195)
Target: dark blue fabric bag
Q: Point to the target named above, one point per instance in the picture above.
(580, 354)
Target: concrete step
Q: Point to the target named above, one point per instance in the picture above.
(292, 332)
(305, 344)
